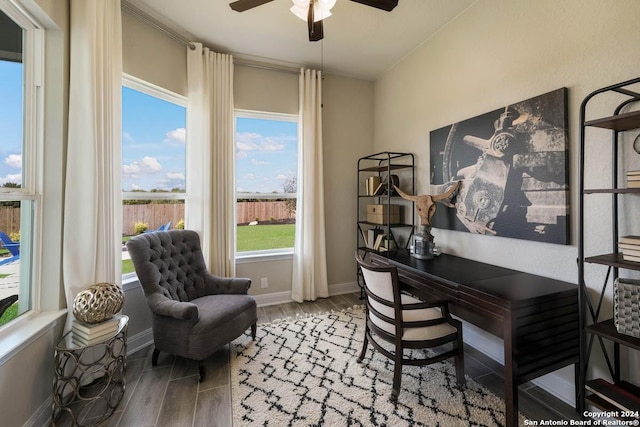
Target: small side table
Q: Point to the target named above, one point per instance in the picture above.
(89, 380)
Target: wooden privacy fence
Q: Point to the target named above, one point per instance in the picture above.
(262, 211)
(155, 215)
(9, 220)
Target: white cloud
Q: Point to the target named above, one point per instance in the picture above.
(251, 141)
(13, 178)
(178, 135)
(175, 175)
(135, 187)
(256, 162)
(271, 145)
(126, 136)
(14, 161)
(281, 177)
(250, 176)
(148, 165)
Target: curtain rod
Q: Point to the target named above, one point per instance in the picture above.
(128, 7)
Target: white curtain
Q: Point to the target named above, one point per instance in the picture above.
(211, 162)
(93, 194)
(310, 258)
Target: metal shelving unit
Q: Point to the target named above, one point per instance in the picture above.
(383, 164)
(620, 394)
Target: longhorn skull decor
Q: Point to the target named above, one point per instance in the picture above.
(426, 204)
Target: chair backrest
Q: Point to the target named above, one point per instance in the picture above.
(10, 245)
(169, 262)
(384, 304)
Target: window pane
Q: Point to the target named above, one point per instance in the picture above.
(266, 178)
(16, 215)
(153, 166)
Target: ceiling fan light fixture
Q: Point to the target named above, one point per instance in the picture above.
(321, 9)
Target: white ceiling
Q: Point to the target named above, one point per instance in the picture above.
(359, 41)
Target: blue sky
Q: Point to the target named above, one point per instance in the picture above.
(266, 154)
(153, 142)
(10, 122)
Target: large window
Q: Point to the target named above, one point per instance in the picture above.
(153, 161)
(266, 181)
(19, 171)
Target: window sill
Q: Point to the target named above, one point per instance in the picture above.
(15, 337)
(264, 256)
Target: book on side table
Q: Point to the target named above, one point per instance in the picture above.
(88, 334)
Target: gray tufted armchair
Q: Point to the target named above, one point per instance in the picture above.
(194, 313)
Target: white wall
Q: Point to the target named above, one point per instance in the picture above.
(153, 56)
(499, 52)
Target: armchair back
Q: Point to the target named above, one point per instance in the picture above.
(170, 263)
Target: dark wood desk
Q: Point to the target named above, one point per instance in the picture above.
(537, 317)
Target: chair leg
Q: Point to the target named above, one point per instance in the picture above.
(254, 329)
(365, 342)
(202, 369)
(397, 376)
(154, 357)
(459, 361)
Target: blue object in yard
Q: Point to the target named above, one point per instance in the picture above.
(163, 227)
(12, 247)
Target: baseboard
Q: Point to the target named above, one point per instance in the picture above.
(492, 347)
(139, 341)
(285, 297)
(42, 417)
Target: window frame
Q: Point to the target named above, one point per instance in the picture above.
(150, 89)
(266, 254)
(31, 187)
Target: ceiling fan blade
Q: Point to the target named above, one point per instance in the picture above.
(242, 5)
(387, 5)
(316, 32)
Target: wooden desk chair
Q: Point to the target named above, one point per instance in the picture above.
(407, 323)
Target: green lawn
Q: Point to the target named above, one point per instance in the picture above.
(10, 314)
(251, 238)
(261, 237)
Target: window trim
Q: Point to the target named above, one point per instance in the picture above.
(267, 254)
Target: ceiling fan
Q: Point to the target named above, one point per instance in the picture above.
(313, 11)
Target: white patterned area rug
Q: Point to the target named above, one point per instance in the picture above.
(303, 372)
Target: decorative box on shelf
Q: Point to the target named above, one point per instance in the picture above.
(377, 214)
(626, 302)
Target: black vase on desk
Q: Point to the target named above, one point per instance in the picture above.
(423, 245)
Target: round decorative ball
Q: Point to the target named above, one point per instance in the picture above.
(98, 303)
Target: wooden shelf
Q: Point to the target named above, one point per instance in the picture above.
(612, 191)
(607, 329)
(619, 397)
(384, 168)
(620, 122)
(385, 225)
(613, 260)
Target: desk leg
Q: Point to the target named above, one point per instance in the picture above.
(510, 374)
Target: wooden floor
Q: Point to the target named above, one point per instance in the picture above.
(169, 394)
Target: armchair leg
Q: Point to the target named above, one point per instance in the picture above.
(154, 357)
(254, 329)
(202, 369)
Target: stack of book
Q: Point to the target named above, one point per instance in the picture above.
(633, 179)
(630, 248)
(85, 334)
